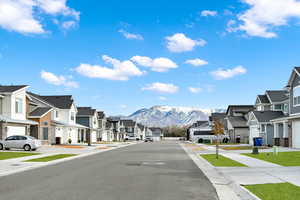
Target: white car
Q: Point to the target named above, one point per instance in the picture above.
(25, 142)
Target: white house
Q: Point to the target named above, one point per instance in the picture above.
(13, 111)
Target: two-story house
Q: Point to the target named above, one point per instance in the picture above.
(271, 106)
(236, 118)
(141, 131)
(117, 128)
(13, 111)
(88, 117)
(130, 128)
(157, 134)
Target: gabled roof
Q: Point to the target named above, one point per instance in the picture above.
(39, 112)
(238, 122)
(263, 99)
(142, 127)
(114, 119)
(101, 115)
(240, 108)
(62, 102)
(11, 88)
(267, 116)
(277, 95)
(295, 72)
(39, 98)
(85, 111)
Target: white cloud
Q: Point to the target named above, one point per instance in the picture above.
(221, 74)
(157, 64)
(162, 87)
(121, 71)
(195, 90)
(196, 62)
(131, 35)
(68, 24)
(58, 80)
(180, 43)
(264, 15)
(162, 98)
(24, 16)
(206, 13)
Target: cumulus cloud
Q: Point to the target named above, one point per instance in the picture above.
(131, 36)
(162, 88)
(195, 90)
(24, 16)
(157, 64)
(264, 15)
(206, 13)
(222, 74)
(196, 62)
(58, 80)
(121, 70)
(180, 43)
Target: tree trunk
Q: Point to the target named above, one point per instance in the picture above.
(217, 147)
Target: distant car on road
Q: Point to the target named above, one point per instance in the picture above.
(25, 142)
(148, 139)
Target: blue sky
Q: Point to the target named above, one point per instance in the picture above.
(120, 56)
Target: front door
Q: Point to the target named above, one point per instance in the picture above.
(58, 140)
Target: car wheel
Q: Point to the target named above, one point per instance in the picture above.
(6, 149)
(1, 146)
(27, 147)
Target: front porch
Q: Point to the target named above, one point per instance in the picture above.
(282, 133)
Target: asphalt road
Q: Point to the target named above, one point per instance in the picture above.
(147, 171)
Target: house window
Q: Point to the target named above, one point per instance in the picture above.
(286, 108)
(263, 128)
(296, 99)
(18, 105)
(56, 113)
(72, 116)
(45, 133)
(279, 107)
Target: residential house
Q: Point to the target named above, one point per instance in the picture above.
(101, 125)
(88, 117)
(130, 128)
(13, 111)
(237, 128)
(270, 106)
(107, 135)
(141, 131)
(63, 127)
(118, 129)
(157, 134)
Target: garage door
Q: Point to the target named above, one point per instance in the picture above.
(296, 134)
(254, 132)
(15, 130)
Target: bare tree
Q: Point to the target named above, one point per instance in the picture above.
(218, 129)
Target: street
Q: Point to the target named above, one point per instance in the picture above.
(146, 171)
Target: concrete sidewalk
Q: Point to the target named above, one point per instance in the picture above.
(12, 166)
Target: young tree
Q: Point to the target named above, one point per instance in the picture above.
(218, 129)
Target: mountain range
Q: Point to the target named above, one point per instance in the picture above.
(162, 116)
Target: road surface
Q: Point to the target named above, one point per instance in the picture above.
(146, 171)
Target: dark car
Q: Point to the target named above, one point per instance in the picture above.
(148, 139)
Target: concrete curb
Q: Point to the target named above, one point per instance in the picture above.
(226, 188)
(39, 165)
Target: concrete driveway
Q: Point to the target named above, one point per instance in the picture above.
(146, 171)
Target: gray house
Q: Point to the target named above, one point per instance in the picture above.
(237, 117)
(157, 133)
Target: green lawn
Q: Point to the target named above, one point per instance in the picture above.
(283, 158)
(10, 155)
(278, 191)
(222, 161)
(51, 158)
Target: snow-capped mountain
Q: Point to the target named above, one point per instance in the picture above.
(169, 116)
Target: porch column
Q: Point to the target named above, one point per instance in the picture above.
(285, 130)
(276, 130)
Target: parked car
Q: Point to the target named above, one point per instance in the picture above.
(25, 142)
(148, 139)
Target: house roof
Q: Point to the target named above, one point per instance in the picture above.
(240, 108)
(155, 129)
(85, 111)
(277, 95)
(238, 122)
(128, 122)
(267, 116)
(39, 111)
(101, 115)
(219, 116)
(263, 98)
(114, 119)
(11, 88)
(142, 127)
(62, 102)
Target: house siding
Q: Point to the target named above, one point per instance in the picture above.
(85, 121)
(293, 109)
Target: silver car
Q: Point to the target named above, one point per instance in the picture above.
(25, 142)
